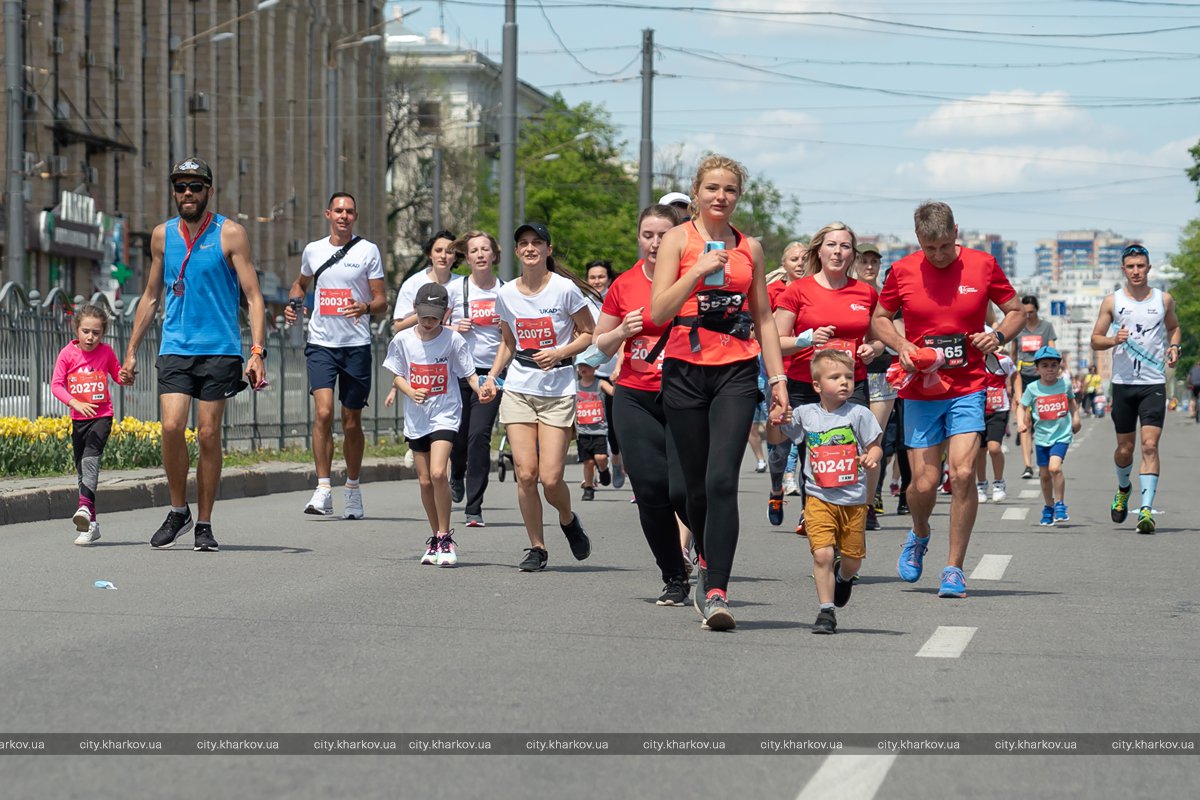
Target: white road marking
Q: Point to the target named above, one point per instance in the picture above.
(853, 776)
(1029, 494)
(947, 641)
(1015, 513)
(991, 568)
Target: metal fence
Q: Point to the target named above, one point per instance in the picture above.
(34, 329)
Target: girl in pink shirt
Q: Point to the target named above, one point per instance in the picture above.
(81, 375)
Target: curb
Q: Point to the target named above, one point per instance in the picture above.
(124, 493)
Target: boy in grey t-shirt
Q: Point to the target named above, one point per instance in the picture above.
(840, 442)
(592, 427)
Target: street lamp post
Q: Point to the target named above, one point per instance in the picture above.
(14, 242)
(179, 150)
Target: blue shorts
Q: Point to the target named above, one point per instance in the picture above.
(349, 368)
(928, 423)
(1045, 451)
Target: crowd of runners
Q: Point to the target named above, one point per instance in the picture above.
(661, 372)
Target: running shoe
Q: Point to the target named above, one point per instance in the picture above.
(760, 466)
(800, 528)
(879, 501)
(675, 592)
(589, 493)
(716, 615)
(92, 534)
(701, 586)
(1047, 515)
(775, 508)
(1060, 512)
(912, 557)
(581, 545)
(82, 519)
(535, 561)
(447, 551)
(1145, 522)
(175, 525)
(790, 487)
(475, 521)
(872, 519)
(321, 503)
(431, 551)
(605, 477)
(826, 621)
(999, 492)
(902, 506)
(618, 476)
(946, 488)
(458, 490)
(841, 590)
(837, 565)
(205, 542)
(981, 490)
(953, 583)
(894, 487)
(1120, 505)
(352, 500)
(1027, 474)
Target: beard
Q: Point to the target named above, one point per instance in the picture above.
(193, 216)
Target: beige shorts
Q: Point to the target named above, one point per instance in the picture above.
(558, 412)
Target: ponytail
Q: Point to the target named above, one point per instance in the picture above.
(583, 285)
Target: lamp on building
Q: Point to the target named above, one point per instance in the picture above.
(551, 154)
(179, 150)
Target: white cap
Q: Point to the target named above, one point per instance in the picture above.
(674, 197)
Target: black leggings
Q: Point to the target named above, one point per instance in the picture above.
(88, 437)
(472, 454)
(654, 472)
(614, 447)
(710, 409)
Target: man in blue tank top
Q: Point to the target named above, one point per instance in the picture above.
(202, 260)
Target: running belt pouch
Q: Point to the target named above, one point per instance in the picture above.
(526, 358)
(720, 311)
(333, 259)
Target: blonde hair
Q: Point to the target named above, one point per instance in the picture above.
(829, 356)
(812, 261)
(714, 161)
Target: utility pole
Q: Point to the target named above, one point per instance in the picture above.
(14, 77)
(508, 138)
(646, 161)
(178, 119)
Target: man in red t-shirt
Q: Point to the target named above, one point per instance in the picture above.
(943, 293)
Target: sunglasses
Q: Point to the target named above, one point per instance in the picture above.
(1135, 250)
(196, 187)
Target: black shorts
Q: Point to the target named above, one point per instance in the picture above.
(347, 367)
(201, 377)
(688, 385)
(424, 443)
(590, 445)
(1133, 403)
(995, 427)
(803, 394)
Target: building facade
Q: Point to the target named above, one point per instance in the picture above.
(268, 92)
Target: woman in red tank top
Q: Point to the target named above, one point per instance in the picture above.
(710, 281)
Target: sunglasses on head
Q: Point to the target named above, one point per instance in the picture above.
(196, 187)
(1135, 250)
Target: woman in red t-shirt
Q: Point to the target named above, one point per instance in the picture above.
(638, 415)
(708, 274)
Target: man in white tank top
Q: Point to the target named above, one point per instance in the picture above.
(1138, 322)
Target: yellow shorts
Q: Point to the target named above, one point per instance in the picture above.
(558, 412)
(844, 527)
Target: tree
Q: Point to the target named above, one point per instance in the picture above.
(582, 193)
(1186, 292)
(1193, 172)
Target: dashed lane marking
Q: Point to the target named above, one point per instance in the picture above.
(991, 568)
(948, 641)
(1029, 494)
(850, 775)
(1015, 513)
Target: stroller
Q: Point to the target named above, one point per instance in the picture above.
(504, 459)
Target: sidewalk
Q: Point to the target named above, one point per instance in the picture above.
(37, 499)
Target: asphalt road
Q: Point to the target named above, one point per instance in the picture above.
(316, 625)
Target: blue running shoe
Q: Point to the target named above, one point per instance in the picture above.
(1047, 515)
(912, 557)
(1060, 512)
(953, 583)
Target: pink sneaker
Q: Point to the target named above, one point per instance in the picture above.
(431, 551)
(447, 551)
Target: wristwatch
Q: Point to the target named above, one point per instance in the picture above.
(258, 350)
(1000, 337)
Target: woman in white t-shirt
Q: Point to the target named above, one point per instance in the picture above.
(546, 321)
(473, 314)
(439, 249)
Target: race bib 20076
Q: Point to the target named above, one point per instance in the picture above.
(433, 377)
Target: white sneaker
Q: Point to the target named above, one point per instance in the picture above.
(432, 546)
(998, 491)
(447, 551)
(354, 505)
(321, 503)
(82, 519)
(92, 534)
(760, 466)
(790, 488)
(981, 489)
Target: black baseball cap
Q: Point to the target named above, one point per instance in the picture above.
(192, 167)
(537, 227)
(432, 301)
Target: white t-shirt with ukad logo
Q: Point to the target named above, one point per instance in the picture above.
(345, 282)
(435, 365)
(541, 322)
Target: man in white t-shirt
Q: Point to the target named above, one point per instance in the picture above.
(346, 273)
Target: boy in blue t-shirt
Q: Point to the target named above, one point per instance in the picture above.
(1045, 407)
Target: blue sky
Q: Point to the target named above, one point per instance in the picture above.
(1028, 117)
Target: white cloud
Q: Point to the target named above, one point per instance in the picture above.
(1011, 168)
(1001, 115)
(760, 142)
